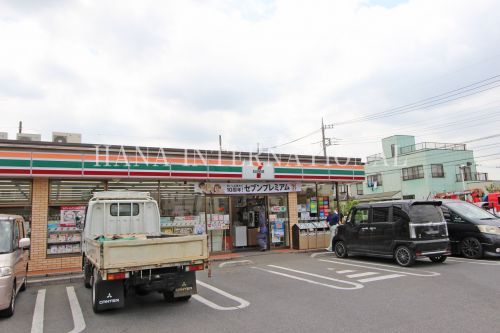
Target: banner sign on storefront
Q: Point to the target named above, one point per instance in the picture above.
(72, 216)
(247, 188)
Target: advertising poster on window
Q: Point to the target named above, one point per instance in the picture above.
(72, 216)
(247, 188)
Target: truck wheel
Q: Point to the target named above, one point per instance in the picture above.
(87, 274)
(96, 277)
(168, 296)
(404, 256)
(183, 298)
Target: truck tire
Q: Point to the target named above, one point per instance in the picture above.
(96, 277)
(87, 273)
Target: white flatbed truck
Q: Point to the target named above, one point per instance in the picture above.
(124, 249)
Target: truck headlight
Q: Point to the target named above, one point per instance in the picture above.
(489, 229)
(5, 271)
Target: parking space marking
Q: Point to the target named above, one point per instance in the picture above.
(242, 303)
(76, 311)
(342, 272)
(392, 270)
(38, 314)
(353, 285)
(314, 255)
(235, 262)
(474, 261)
(351, 276)
(382, 277)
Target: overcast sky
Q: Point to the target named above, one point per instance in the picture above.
(179, 73)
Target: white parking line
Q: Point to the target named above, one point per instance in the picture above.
(399, 271)
(383, 277)
(235, 262)
(353, 285)
(38, 314)
(361, 275)
(343, 272)
(242, 303)
(474, 261)
(76, 311)
(314, 255)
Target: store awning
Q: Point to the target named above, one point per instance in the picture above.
(383, 196)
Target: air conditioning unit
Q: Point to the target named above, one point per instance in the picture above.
(28, 137)
(4, 136)
(61, 137)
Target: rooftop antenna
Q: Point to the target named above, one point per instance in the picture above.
(20, 127)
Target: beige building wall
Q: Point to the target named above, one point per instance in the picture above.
(38, 255)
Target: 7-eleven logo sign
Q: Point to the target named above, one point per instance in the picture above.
(258, 171)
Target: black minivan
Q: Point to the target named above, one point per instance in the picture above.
(474, 232)
(403, 230)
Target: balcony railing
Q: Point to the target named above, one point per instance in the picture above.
(431, 145)
(480, 176)
(374, 158)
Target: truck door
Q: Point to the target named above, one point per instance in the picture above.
(358, 231)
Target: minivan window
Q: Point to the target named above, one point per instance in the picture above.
(380, 214)
(5, 236)
(360, 216)
(125, 209)
(425, 213)
(468, 210)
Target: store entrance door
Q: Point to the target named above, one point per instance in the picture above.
(249, 213)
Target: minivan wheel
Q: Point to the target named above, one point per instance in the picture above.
(438, 259)
(10, 310)
(340, 249)
(404, 256)
(471, 248)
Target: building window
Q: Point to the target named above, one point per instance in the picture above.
(415, 172)
(374, 180)
(393, 150)
(359, 189)
(437, 170)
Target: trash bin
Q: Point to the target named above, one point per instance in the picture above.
(300, 236)
(312, 238)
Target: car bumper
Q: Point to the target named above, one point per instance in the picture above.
(491, 245)
(5, 291)
(432, 248)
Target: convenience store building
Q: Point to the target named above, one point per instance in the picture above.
(221, 193)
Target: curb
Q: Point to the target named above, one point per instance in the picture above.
(44, 281)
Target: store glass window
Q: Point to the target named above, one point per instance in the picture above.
(15, 199)
(278, 220)
(307, 203)
(218, 223)
(182, 211)
(68, 200)
(326, 197)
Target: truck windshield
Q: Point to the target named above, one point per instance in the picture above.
(5, 236)
(423, 213)
(468, 210)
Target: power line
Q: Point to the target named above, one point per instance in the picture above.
(430, 101)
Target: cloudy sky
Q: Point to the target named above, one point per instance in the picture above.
(179, 73)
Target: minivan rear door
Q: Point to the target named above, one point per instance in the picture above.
(382, 230)
(427, 221)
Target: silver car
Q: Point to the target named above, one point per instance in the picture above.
(14, 255)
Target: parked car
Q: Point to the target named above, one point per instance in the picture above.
(403, 230)
(14, 255)
(473, 231)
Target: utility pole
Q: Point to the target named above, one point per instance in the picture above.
(328, 142)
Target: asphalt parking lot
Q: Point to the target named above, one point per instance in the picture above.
(289, 293)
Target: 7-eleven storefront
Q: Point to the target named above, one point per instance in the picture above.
(225, 195)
